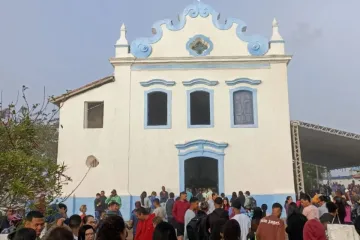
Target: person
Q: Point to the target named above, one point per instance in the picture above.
(152, 198)
(200, 195)
(272, 227)
(322, 205)
(145, 201)
(309, 211)
(255, 221)
(156, 220)
(159, 211)
(242, 219)
(231, 230)
(287, 202)
(99, 207)
(216, 220)
(295, 222)
(211, 202)
(314, 230)
(63, 210)
(242, 198)
(103, 200)
(90, 220)
(82, 210)
(75, 222)
(86, 232)
(114, 198)
(14, 222)
(113, 228)
(331, 217)
(178, 213)
(145, 227)
(222, 195)
(357, 224)
(233, 197)
(23, 234)
(4, 220)
(35, 220)
(168, 207)
(164, 231)
(188, 194)
(60, 233)
(226, 204)
(133, 219)
(113, 209)
(250, 202)
(341, 210)
(164, 195)
(190, 214)
(264, 209)
(196, 229)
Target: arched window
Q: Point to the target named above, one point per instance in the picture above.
(157, 108)
(200, 108)
(243, 107)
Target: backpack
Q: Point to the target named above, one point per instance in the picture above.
(193, 228)
(253, 204)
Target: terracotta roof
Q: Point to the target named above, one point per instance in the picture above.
(62, 98)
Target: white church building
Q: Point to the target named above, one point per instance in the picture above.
(200, 103)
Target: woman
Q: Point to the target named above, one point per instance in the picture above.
(231, 230)
(164, 231)
(86, 232)
(341, 211)
(242, 198)
(113, 228)
(257, 216)
(60, 233)
(83, 210)
(226, 204)
(233, 197)
(287, 202)
(24, 234)
(264, 209)
(295, 222)
(348, 206)
(145, 201)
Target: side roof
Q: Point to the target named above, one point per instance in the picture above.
(95, 84)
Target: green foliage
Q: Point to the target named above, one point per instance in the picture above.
(28, 151)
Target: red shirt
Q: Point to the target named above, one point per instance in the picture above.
(179, 210)
(145, 229)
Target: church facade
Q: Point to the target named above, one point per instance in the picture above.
(198, 104)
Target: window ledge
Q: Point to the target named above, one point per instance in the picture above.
(245, 126)
(201, 126)
(158, 127)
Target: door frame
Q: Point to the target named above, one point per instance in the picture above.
(201, 148)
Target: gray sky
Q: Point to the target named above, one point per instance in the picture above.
(64, 44)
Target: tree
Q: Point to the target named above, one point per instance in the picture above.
(28, 151)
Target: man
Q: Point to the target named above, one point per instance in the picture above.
(250, 202)
(216, 220)
(322, 205)
(178, 213)
(99, 207)
(113, 209)
(134, 219)
(198, 231)
(243, 220)
(35, 220)
(75, 224)
(159, 211)
(103, 198)
(188, 194)
(211, 202)
(164, 195)
(199, 195)
(145, 227)
(168, 207)
(114, 198)
(272, 227)
(90, 220)
(190, 214)
(331, 216)
(309, 211)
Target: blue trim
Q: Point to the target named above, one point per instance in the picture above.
(200, 81)
(201, 148)
(142, 47)
(277, 41)
(254, 92)
(211, 95)
(200, 66)
(169, 100)
(206, 52)
(243, 80)
(159, 82)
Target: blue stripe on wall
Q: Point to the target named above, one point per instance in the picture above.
(199, 66)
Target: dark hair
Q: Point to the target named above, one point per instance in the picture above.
(234, 195)
(194, 199)
(137, 204)
(33, 214)
(287, 199)
(142, 210)
(82, 231)
(222, 195)
(277, 205)
(305, 197)
(322, 198)
(340, 204)
(231, 230)
(113, 203)
(293, 209)
(62, 205)
(247, 193)
(241, 193)
(86, 218)
(74, 221)
(331, 207)
(25, 234)
(142, 197)
(218, 201)
(213, 194)
(264, 207)
(172, 195)
(111, 228)
(98, 194)
(258, 214)
(227, 200)
(164, 231)
(60, 233)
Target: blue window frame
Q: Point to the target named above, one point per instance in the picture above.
(200, 108)
(157, 106)
(243, 107)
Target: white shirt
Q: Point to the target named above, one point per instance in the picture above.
(160, 212)
(211, 206)
(245, 224)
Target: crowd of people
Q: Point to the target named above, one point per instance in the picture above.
(195, 214)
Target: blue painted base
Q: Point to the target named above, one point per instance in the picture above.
(128, 203)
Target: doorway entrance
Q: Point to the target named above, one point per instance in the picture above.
(202, 172)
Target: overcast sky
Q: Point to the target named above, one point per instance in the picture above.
(64, 44)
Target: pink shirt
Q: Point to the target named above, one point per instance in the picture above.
(348, 214)
(311, 212)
